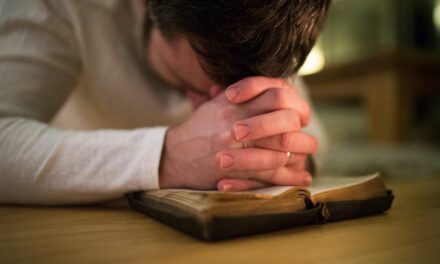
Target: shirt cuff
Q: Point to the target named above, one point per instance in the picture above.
(152, 157)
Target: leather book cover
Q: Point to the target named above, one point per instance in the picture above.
(219, 228)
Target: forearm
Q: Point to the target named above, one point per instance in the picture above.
(44, 165)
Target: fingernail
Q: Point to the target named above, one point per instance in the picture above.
(226, 161)
(307, 181)
(241, 131)
(232, 92)
(227, 188)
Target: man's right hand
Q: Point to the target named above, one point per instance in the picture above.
(202, 151)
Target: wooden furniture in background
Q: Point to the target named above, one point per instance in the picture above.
(387, 85)
(408, 233)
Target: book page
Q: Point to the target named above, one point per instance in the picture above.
(325, 184)
(267, 200)
(272, 190)
(319, 185)
(266, 192)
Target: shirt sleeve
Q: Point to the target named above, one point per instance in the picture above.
(40, 164)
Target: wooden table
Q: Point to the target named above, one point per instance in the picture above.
(409, 233)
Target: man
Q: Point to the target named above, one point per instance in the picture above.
(114, 79)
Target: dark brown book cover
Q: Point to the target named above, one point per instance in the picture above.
(218, 228)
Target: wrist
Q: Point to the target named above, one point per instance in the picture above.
(168, 177)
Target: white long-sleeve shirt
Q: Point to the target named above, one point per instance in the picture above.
(82, 118)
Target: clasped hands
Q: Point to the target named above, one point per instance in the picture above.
(238, 139)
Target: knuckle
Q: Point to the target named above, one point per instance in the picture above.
(287, 140)
(306, 109)
(277, 82)
(292, 114)
(225, 113)
(280, 98)
(309, 144)
(293, 88)
(279, 160)
(221, 141)
(223, 138)
(257, 83)
(315, 143)
(245, 80)
(283, 82)
(293, 118)
(250, 84)
(272, 176)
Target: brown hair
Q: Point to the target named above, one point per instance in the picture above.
(239, 38)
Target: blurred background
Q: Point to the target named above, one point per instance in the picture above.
(374, 76)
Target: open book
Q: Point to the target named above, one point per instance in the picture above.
(213, 215)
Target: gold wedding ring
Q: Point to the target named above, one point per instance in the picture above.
(289, 156)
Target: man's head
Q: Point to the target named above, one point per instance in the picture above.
(233, 39)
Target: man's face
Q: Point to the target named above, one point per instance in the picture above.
(175, 61)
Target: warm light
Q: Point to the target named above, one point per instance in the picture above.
(314, 63)
(436, 15)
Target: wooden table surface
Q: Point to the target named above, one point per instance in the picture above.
(409, 233)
